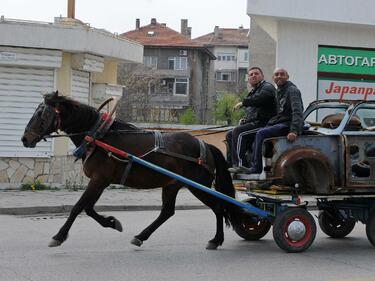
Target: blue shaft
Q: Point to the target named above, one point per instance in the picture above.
(247, 206)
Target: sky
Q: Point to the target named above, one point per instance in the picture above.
(118, 16)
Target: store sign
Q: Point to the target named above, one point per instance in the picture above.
(346, 90)
(341, 60)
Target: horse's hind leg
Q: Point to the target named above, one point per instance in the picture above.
(217, 208)
(89, 197)
(169, 194)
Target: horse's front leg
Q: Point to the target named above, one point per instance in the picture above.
(89, 197)
(111, 221)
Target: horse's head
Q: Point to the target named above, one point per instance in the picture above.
(45, 120)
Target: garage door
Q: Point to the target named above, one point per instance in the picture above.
(21, 90)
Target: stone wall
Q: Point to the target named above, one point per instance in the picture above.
(54, 171)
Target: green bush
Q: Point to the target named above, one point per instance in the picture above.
(224, 109)
(188, 117)
(35, 185)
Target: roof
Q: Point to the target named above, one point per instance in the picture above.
(159, 35)
(225, 37)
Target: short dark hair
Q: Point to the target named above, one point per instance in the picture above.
(256, 67)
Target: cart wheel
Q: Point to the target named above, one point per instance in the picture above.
(294, 230)
(335, 226)
(250, 227)
(370, 228)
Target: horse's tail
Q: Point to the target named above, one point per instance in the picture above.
(224, 184)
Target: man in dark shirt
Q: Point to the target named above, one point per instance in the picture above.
(288, 121)
(260, 106)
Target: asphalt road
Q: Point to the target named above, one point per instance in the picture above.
(175, 252)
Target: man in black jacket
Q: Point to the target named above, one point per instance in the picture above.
(260, 106)
(288, 121)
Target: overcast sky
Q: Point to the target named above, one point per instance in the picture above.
(119, 15)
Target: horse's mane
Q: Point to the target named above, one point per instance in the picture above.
(54, 99)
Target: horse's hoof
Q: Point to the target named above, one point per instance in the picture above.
(54, 243)
(116, 224)
(137, 242)
(211, 246)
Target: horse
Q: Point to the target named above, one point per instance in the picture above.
(60, 113)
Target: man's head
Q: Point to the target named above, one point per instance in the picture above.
(280, 76)
(255, 75)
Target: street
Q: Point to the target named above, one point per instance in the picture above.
(176, 251)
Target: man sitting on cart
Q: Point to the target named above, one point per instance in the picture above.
(288, 121)
(260, 106)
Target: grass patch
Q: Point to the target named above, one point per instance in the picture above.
(36, 185)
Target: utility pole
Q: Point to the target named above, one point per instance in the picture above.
(71, 9)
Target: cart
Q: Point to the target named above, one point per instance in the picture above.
(294, 228)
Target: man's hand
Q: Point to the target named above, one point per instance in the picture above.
(291, 137)
(237, 106)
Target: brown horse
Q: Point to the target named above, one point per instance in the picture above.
(76, 119)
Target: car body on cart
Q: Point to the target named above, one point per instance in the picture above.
(334, 155)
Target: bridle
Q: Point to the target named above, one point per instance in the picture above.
(57, 122)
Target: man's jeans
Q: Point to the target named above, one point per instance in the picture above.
(277, 130)
(240, 140)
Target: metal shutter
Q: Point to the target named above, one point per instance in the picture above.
(80, 91)
(80, 86)
(21, 90)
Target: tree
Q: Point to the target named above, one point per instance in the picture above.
(224, 109)
(188, 117)
(138, 81)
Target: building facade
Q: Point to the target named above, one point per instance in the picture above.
(327, 46)
(36, 58)
(230, 46)
(174, 76)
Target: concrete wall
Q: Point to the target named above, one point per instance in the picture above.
(262, 50)
(54, 171)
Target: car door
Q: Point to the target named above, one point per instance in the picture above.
(359, 135)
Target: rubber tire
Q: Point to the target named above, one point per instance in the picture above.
(330, 227)
(370, 228)
(280, 226)
(250, 227)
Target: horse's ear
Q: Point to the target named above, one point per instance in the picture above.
(51, 98)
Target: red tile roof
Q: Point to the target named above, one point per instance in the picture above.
(226, 37)
(160, 35)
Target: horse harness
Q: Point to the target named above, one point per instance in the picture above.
(159, 147)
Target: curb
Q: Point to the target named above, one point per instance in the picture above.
(65, 209)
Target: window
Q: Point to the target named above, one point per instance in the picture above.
(246, 56)
(181, 86)
(150, 61)
(177, 63)
(223, 76)
(226, 57)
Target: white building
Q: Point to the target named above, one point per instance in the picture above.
(37, 58)
(328, 47)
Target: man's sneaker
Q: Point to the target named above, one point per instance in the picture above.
(239, 170)
(234, 170)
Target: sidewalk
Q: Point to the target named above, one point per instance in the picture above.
(16, 202)
(61, 201)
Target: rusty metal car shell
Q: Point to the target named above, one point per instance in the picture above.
(292, 156)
